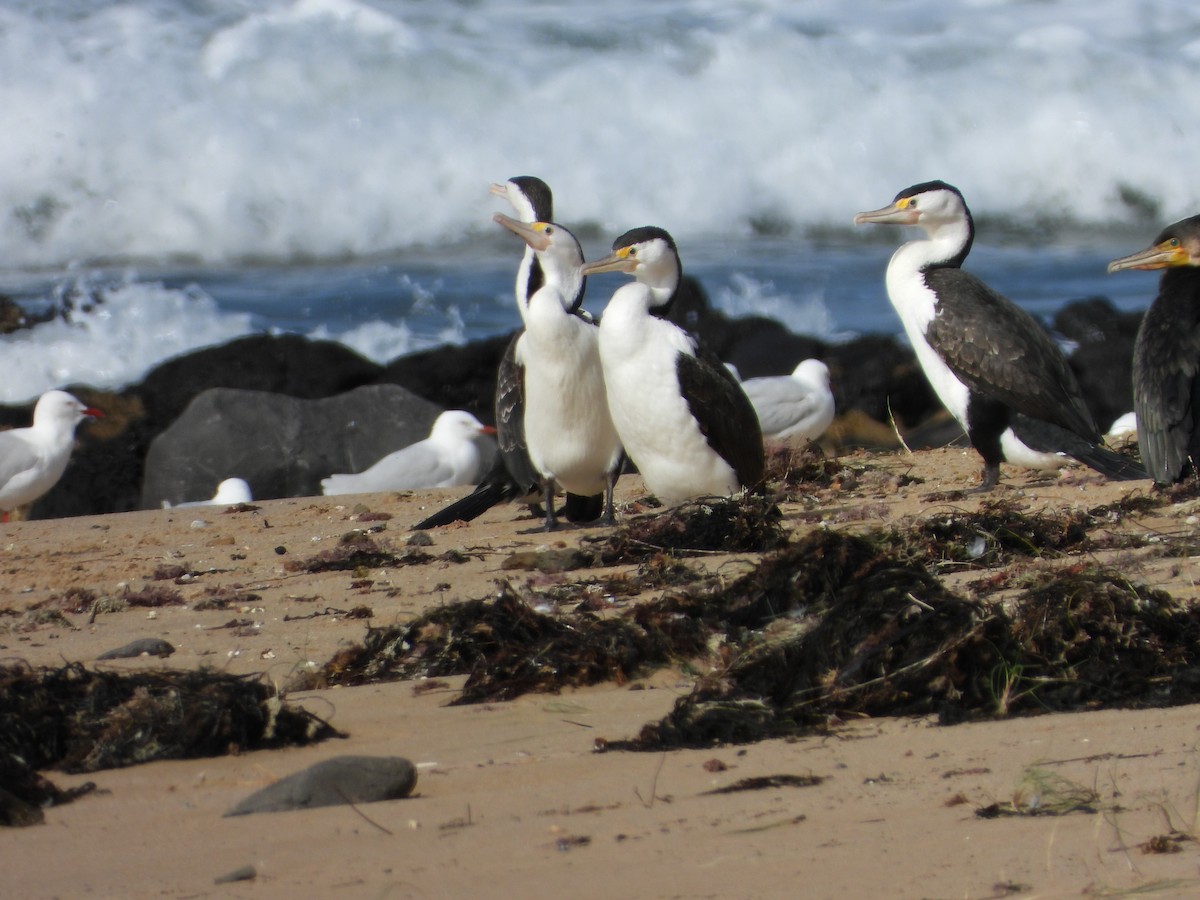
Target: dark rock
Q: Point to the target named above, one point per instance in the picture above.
(147, 646)
(343, 779)
(759, 346)
(105, 474)
(280, 364)
(12, 316)
(1103, 359)
(283, 446)
(453, 377)
(881, 377)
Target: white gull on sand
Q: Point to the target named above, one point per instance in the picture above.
(33, 459)
(229, 492)
(449, 457)
(797, 405)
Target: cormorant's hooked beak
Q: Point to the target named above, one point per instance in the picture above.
(1160, 256)
(532, 233)
(620, 261)
(899, 213)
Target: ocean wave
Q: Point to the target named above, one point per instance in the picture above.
(327, 129)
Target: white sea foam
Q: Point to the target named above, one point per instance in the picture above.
(329, 128)
(112, 336)
(746, 295)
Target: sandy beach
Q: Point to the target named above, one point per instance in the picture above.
(513, 798)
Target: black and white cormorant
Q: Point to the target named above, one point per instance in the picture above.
(1166, 355)
(996, 370)
(568, 430)
(681, 415)
(512, 475)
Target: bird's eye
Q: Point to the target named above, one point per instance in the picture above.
(912, 203)
(549, 229)
(633, 251)
(1174, 242)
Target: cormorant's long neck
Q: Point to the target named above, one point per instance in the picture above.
(532, 205)
(664, 283)
(1180, 287)
(564, 274)
(947, 243)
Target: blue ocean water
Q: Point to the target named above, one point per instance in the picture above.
(220, 167)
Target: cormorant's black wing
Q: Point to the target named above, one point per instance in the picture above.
(724, 412)
(1166, 377)
(1000, 351)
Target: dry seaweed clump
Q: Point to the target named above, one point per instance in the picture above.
(1090, 637)
(508, 648)
(79, 720)
(873, 634)
(357, 550)
(999, 531)
(716, 524)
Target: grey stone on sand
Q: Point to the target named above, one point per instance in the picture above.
(147, 646)
(343, 779)
(283, 446)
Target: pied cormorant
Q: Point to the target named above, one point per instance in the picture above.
(681, 415)
(568, 430)
(995, 369)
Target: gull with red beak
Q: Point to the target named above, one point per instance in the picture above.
(33, 459)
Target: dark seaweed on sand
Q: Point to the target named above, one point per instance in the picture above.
(1091, 637)
(829, 627)
(874, 635)
(753, 524)
(78, 720)
(357, 550)
(994, 534)
(507, 648)
(871, 635)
